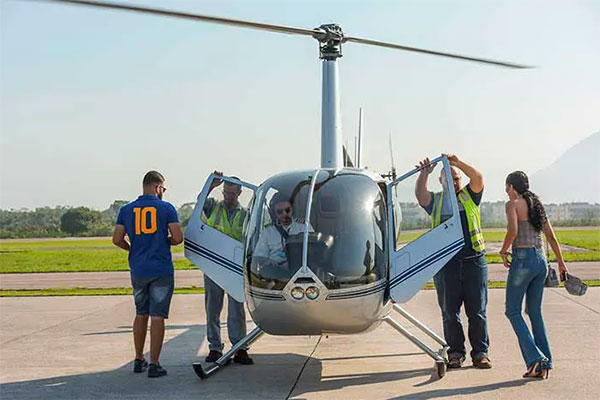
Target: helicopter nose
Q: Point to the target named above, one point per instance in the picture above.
(305, 286)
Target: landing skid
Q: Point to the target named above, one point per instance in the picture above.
(440, 357)
(226, 358)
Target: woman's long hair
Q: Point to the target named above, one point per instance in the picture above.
(535, 209)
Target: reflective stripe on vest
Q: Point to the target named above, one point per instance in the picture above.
(219, 220)
(471, 211)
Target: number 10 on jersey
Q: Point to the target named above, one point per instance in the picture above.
(141, 220)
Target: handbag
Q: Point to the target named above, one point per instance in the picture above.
(551, 278)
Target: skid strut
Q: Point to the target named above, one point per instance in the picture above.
(440, 357)
(247, 340)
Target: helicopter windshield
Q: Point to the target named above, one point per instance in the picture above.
(348, 212)
(345, 240)
(276, 230)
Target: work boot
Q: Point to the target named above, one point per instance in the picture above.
(482, 363)
(139, 365)
(213, 356)
(156, 371)
(455, 362)
(242, 357)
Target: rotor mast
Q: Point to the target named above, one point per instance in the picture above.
(330, 39)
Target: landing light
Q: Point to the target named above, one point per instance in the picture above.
(297, 293)
(312, 292)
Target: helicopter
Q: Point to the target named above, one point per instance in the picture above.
(349, 263)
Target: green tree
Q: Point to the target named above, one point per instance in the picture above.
(110, 214)
(185, 213)
(41, 222)
(79, 220)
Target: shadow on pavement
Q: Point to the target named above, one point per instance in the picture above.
(272, 377)
(439, 393)
(313, 381)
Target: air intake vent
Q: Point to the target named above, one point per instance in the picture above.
(304, 280)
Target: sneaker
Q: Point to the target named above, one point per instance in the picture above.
(139, 365)
(155, 371)
(242, 357)
(213, 356)
(482, 363)
(455, 362)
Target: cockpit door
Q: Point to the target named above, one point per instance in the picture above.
(418, 251)
(214, 237)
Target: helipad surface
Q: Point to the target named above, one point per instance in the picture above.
(80, 348)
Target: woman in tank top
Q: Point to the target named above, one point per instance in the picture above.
(527, 220)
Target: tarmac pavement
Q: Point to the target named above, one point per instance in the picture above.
(187, 278)
(81, 348)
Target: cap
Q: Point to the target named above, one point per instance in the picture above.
(575, 286)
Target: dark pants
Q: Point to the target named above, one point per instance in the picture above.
(464, 281)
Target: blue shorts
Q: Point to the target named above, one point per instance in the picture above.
(153, 295)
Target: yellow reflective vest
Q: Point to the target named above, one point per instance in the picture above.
(219, 220)
(472, 212)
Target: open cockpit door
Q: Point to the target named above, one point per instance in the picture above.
(214, 237)
(417, 249)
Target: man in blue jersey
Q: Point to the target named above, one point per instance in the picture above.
(152, 227)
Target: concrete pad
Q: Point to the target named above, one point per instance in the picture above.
(81, 347)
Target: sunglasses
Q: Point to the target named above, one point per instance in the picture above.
(164, 189)
(280, 211)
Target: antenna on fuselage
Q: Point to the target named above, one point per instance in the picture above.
(392, 174)
(359, 162)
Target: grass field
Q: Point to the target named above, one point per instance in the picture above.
(68, 256)
(83, 255)
(585, 238)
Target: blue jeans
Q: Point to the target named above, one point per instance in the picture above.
(526, 278)
(236, 316)
(464, 281)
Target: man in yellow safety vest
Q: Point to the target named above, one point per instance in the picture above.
(227, 216)
(464, 278)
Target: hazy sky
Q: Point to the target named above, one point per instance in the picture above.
(92, 99)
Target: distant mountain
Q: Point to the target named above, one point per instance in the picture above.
(574, 176)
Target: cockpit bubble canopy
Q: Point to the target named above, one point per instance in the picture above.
(345, 231)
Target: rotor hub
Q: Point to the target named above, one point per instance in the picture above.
(330, 37)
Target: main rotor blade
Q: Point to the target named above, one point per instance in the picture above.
(274, 28)
(198, 17)
(435, 53)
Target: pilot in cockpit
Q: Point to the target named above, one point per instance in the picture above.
(271, 246)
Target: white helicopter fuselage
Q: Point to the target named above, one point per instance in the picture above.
(341, 268)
